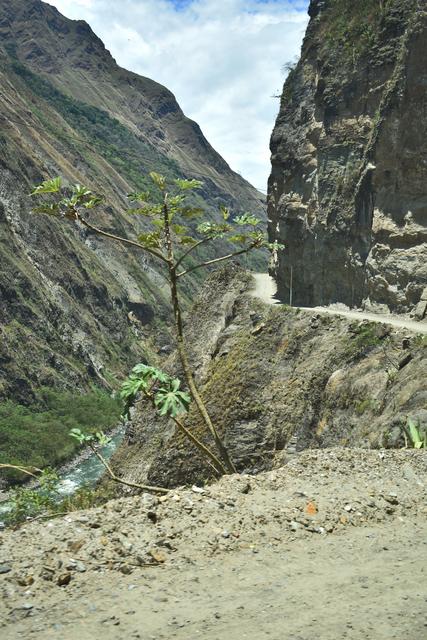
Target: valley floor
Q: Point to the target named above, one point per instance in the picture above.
(330, 546)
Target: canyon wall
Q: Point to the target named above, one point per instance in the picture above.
(348, 186)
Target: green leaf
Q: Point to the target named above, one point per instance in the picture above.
(185, 185)
(160, 224)
(415, 435)
(176, 201)
(79, 191)
(150, 240)
(102, 438)
(274, 246)
(225, 211)
(93, 202)
(150, 373)
(212, 229)
(140, 196)
(247, 220)
(159, 180)
(186, 240)
(241, 238)
(179, 229)
(80, 436)
(171, 403)
(48, 186)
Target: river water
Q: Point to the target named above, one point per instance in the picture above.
(89, 470)
(85, 473)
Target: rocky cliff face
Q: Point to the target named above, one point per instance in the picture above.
(67, 109)
(347, 191)
(278, 380)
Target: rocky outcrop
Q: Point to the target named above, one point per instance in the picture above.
(75, 309)
(278, 380)
(347, 191)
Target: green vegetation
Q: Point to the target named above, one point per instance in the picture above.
(171, 238)
(351, 28)
(368, 404)
(366, 336)
(39, 436)
(415, 434)
(44, 500)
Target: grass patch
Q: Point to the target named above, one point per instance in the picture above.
(38, 435)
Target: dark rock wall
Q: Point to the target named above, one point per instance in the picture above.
(348, 187)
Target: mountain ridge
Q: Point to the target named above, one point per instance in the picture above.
(67, 109)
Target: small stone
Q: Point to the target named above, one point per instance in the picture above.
(348, 507)
(5, 568)
(197, 489)
(83, 519)
(76, 545)
(158, 556)
(391, 498)
(63, 579)
(126, 569)
(294, 526)
(127, 546)
(25, 581)
(225, 534)
(245, 487)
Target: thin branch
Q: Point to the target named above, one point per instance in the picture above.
(194, 246)
(113, 476)
(208, 262)
(132, 243)
(217, 465)
(22, 469)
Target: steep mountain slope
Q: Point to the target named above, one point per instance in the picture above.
(67, 109)
(347, 192)
(278, 380)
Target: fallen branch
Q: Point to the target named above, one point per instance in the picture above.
(22, 469)
(116, 478)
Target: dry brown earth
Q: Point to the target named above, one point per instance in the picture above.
(329, 546)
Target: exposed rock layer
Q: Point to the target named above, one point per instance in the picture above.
(347, 192)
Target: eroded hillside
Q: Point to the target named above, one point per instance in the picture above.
(67, 109)
(278, 380)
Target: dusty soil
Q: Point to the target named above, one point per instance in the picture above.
(331, 545)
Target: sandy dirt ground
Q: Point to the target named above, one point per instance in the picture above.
(330, 546)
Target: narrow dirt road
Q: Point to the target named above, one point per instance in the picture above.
(366, 584)
(265, 289)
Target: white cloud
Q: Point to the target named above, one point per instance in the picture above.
(222, 60)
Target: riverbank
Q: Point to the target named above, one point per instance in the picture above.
(327, 546)
(83, 470)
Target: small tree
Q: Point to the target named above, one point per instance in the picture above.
(172, 238)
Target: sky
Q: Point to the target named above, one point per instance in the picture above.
(223, 60)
